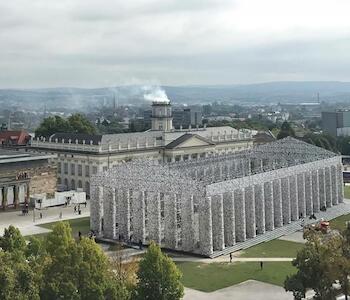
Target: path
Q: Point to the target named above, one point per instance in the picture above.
(28, 227)
(248, 290)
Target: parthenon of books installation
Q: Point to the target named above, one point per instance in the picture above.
(206, 205)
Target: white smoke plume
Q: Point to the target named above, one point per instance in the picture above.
(155, 94)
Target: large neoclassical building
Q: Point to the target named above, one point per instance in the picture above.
(80, 155)
(217, 203)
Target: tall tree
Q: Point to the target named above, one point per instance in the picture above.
(159, 278)
(12, 240)
(80, 124)
(286, 130)
(315, 264)
(76, 123)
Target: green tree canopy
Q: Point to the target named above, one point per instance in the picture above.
(12, 240)
(56, 267)
(286, 130)
(158, 276)
(76, 123)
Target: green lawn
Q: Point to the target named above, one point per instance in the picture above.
(275, 248)
(214, 276)
(340, 222)
(81, 224)
(347, 191)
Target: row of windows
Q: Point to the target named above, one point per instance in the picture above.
(73, 170)
(72, 184)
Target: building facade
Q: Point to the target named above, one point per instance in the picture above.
(336, 123)
(79, 156)
(215, 204)
(25, 174)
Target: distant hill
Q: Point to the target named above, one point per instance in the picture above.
(271, 92)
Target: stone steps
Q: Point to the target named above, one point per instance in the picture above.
(331, 213)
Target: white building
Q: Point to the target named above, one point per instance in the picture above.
(81, 155)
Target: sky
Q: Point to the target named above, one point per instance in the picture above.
(93, 43)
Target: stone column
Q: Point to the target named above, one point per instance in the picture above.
(250, 212)
(240, 224)
(315, 191)
(285, 200)
(277, 203)
(322, 187)
(269, 215)
(328, 186)
(229, 219)
(259, 208)
(96, 212)
(340, 183)
(16, 196)
(301, 195)
(138, 220)
(293, 189)
(109, 213)
(170, 221)
(27, 198)
(308, 193)
(187, 232)
(205, 227)
(218, 222)
(123, 210)
(154, 217)
(334, 179)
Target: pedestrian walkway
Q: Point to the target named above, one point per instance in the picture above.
(27, 224)
(248, 290)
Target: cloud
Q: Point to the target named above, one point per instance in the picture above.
(93, 43)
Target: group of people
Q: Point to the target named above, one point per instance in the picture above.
(22, 175)
(25, 209)
(77, 208)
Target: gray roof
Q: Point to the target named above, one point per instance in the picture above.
(184, 138)
(80, 137)
(7, 156)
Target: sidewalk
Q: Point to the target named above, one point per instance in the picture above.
(26, 223)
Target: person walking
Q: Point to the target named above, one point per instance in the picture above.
(79, 233)
(261, 265)
(230, 257)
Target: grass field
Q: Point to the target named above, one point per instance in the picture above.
(340, 222)
(275, 248)
(81, 224)
(214, 276)
(347, 191)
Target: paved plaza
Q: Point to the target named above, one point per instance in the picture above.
(248, 290)
(27, 224)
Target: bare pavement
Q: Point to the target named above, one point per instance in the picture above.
(27, 223)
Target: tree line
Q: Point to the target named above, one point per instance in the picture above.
(60, 267)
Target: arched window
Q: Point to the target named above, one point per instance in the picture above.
(80, 184)
(72, 185)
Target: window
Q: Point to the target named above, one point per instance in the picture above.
(80, 170)
(72, 184)
(87, 170)
(104, 169)
(185, 157)
(65, 167)
(72, 169)
(94, 170)
(66, 184)
(177, 158)
(80, 184)
(59, 167)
